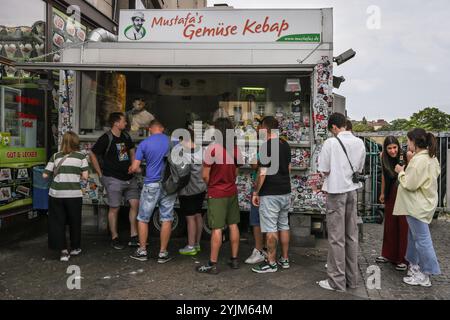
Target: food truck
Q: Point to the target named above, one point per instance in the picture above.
(188, 67)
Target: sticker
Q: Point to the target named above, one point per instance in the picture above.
(23, 190)
(5, 194)
(22, 173)
(5, 174)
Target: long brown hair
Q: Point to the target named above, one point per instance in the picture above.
(389, 162)
(424, 140)
(70, 142)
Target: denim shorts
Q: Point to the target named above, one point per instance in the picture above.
(153, 194)
(274, 213)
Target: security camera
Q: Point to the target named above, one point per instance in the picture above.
(342, 58)
(337, 81)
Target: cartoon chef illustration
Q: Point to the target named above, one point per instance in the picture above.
(136, 31)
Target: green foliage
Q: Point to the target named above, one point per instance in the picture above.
(430, 119)
(361, 127)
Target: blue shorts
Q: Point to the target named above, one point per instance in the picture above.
(153, 194)
(254, 216)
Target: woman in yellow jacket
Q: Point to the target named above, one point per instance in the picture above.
(417, 198)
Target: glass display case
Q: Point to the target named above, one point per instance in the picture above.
(10, 108)
(21, 118)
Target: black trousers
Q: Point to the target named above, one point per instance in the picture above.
(62, 212)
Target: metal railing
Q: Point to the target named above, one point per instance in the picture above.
(369, 207)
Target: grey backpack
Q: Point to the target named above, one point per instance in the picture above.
(176, 175)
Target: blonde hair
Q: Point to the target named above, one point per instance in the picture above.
(70, 142)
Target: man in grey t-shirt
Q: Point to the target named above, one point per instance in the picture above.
(192, 195)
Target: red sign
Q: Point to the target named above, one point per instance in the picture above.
(27, 124)
(22, 115)
(29, 101)
(21, 154)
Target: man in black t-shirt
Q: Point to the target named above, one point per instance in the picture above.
(117, 151)
(273, 195)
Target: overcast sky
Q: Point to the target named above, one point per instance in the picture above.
(400, 68)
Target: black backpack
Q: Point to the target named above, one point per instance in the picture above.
(109, 134)
(176, 176)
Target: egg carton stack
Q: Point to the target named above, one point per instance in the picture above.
(20, 43)
(300, 158)
(244, 185)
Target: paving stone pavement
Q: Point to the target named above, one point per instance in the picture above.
(392, 286)
(29, 271)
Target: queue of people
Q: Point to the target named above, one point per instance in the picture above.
(409, 192)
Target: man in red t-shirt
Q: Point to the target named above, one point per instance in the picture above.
(220, 169)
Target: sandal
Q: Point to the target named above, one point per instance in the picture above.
(401, 267)
(381, 259)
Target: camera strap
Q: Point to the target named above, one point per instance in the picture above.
(345, 151)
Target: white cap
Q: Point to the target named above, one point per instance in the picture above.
(138, 15)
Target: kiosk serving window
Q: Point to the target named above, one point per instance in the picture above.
(179, 99)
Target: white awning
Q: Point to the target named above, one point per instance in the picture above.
(44, 66)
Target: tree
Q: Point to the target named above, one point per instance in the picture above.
(430, 119)
(364, 121)
(361, 127)
(386, 127)
(399, 125)
(396, 125)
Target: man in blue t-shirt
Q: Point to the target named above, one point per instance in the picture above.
(154, 151)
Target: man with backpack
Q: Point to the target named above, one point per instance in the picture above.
(111, 157)
(157, 190)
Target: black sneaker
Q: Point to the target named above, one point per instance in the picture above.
(208, 268)
(134, 241)
(265, 267)
(140, 255)
(115, 243)
(234, 263)
(164, 257)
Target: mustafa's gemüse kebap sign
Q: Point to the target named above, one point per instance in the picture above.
(221, 26)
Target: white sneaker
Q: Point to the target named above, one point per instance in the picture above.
(326, 265)
(325, 285)
(64, 256)
(75, 252)
(418, 279)
(412, 269)
(256, 257)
